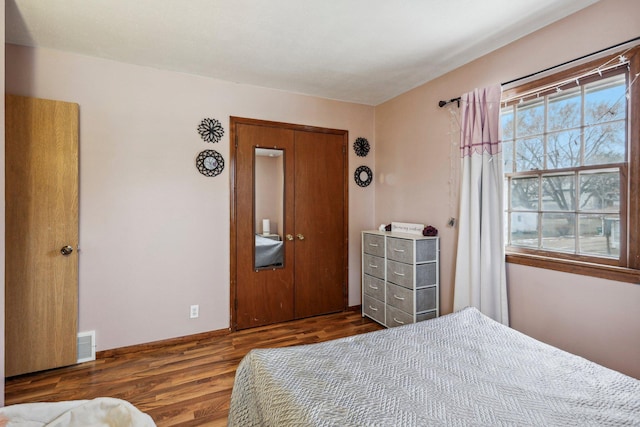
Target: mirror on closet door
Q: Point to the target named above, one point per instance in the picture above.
(268, 205)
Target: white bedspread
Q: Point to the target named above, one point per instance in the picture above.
(103, 411)
(463, 369)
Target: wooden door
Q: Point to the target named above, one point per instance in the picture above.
(312, 279)
(265, 295)
(320, 202)
(41, 214)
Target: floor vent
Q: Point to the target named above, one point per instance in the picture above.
(86, 346)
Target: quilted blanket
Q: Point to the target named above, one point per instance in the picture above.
(463, 369)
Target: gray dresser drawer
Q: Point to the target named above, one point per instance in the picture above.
(373, 287)
(374, 309)
(400, 274)
(427, 250)
(373, 244)
(400, 297)
(373, 265)
(426, 274)
(400, 250)
(396, 317)
(426, 299)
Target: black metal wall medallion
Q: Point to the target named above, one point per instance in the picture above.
(361, 147)
(363, 176)
(210, 163)
(210, 130)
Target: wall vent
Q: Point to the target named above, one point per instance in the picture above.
(86, 346)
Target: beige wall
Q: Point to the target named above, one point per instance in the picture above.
(154, 233)
(598, 319)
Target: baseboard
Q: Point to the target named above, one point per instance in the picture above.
(173, 341)
(162, 343)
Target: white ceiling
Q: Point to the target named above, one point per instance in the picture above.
(363, 51)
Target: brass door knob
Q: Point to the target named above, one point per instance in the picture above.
(300, 236)
(289, 237)
(66, 250)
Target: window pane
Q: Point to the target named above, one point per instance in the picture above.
(563, 149)
(529, 154)
(558, 232)
(530, 119)
(524, 229)
(564, 110)
(524, 193)
(605, 100)
(558, 192)
(605, 144)
(600, 235)
(506, 120)
(600, 191)
(507, 156)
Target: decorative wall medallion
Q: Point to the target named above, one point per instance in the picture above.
(210, 130)
(210, 163)
(363, 176)
(361, 147)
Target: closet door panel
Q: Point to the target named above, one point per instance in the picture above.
(320, 203)
(263, 296)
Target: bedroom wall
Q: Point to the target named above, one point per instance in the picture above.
(154, 233)
(417, 170)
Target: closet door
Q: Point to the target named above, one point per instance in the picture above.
(41, 283)
(320, 203)
(313, 229)
(263, 294)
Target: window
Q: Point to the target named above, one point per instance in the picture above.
(570, 152)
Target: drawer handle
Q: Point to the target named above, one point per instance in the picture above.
(373, 287)
(398, 250)
(375, 245)
(398, 274)
(373, 309)
(373, 266)
(397, 297)
(398, 321)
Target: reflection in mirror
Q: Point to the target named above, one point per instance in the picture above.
(268, 205)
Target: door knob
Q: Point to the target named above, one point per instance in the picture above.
(300, 236)
(66, 250)
(289, 237)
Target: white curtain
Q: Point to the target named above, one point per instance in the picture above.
(480, 268)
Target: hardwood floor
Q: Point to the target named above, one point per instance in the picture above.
(185, 382)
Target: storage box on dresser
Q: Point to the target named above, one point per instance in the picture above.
(400, 280)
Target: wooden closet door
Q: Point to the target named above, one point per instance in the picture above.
(320, 217)
(262, 296)
(41, 288)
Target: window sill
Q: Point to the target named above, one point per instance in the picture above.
(620, 274)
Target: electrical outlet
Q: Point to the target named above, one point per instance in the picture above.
(194, 311)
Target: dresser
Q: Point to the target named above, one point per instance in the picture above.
(400, 277)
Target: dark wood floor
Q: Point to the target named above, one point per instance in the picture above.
(181, 383)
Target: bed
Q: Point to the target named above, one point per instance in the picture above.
(268, 252)
(461, 369)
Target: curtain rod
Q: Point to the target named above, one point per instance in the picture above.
(443, 103)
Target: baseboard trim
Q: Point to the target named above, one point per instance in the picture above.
(157, 344)
(173, 341)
